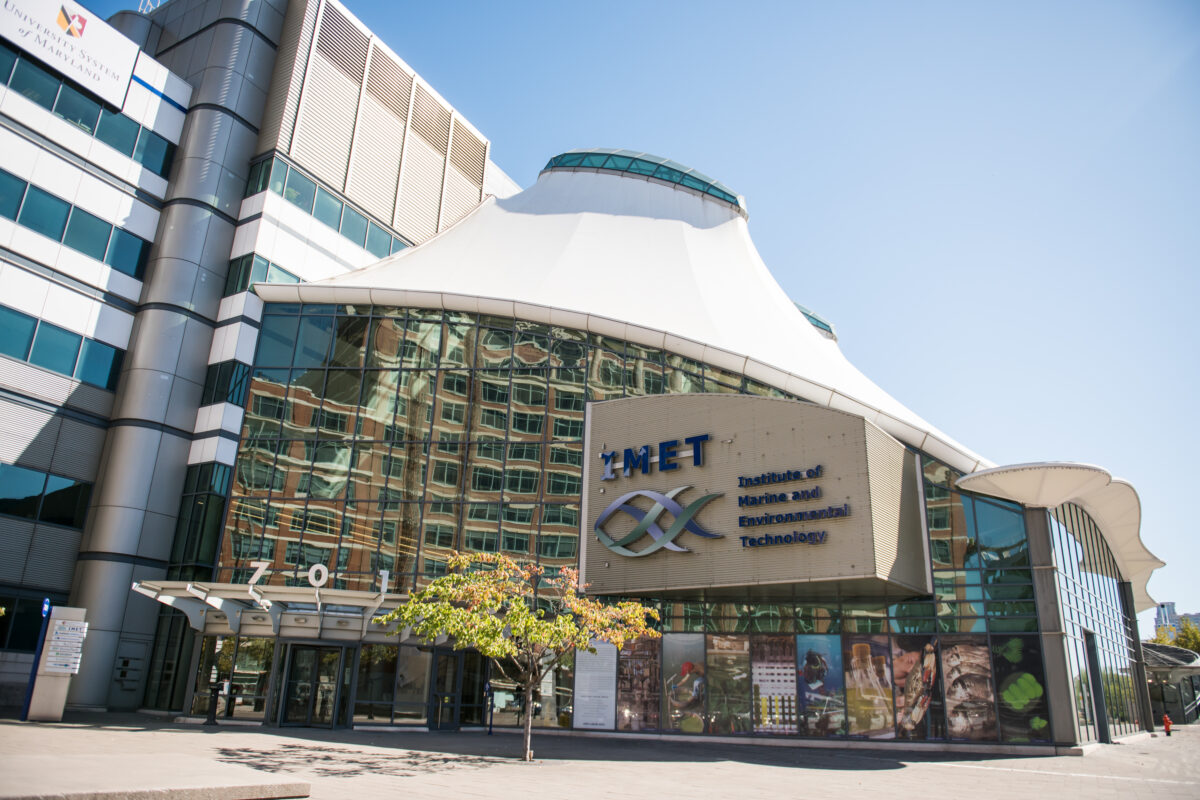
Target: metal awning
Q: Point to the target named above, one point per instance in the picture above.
(289, 611)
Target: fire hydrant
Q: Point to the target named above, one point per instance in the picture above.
(1167, 723)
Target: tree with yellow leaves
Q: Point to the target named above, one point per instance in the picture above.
(525, 620)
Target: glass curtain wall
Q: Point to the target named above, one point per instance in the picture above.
(1090, 597)
(379, 438)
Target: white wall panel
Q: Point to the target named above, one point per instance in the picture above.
(379, 138)
(420, 191)
(461, 196)
(326, 122)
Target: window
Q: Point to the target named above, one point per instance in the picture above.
(652, 382)
(33, 494)
(560, 515)
(127, 253)
(568, 428)
(118, 132)
(55, 348)
(480, 541)
(454, 383)
(35, 83)
(385, 531)
(334, 421)
(328, 208)
(521, 481)
(516, 541)
(445, 473)
(492, 450)
(434, 568)
(454, 412)
(88, 234)
(12, 191)
(393, 466)
(448, 446)
(556, 546)
(523, 422)
(100, 364)
(483, 512)
(379, 241)
(439, 535)
(562, 484)
(491, 418)
(84, 110)
(16, 333)
(568, 401)
(77, 108)
(354, 226)
(566, 455)
(939, 518)
(59, 350)
(44, 213)
(300, 191)
(269, 407)
(494, 392)
(524, 452)
(529, 394)
(484, 479)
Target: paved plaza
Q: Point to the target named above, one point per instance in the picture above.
(134, 756)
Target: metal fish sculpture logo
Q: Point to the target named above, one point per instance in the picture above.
(647, 522)
(72, 24)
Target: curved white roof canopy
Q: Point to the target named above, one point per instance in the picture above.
(1111, 502)
(679, 267)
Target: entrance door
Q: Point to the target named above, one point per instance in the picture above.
(312, 689)
(445, 692)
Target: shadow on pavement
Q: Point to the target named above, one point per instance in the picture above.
(340, 752)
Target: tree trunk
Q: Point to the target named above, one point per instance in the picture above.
(529, 720)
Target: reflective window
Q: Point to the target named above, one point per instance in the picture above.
(354, 226)
(118, 132)
(328, 209)
(88, 234)
(33, 494)
(35, 83)
(55, 348)
(99, 364)
(16, 333)
(153, 152)
(300, 190)
(44, 213)
(12, 191)
(77, 108)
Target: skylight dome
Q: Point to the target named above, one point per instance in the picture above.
(646, 165)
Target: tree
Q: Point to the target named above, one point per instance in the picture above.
(1188, 636)
(524, 620)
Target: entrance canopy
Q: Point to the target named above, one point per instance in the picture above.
(288, 611)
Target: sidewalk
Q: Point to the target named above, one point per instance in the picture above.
(145, 757)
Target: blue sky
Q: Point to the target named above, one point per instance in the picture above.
(997, 204)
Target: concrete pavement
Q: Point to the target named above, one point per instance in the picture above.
(52, 760)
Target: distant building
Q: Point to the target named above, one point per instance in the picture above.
(1166, 617)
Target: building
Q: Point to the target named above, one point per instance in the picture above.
(1165, 617)
(544, 377)
(129, 152)
(1174, 675)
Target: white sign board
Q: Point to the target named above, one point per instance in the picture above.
(64, 646)
(596, 687)
(74, 41)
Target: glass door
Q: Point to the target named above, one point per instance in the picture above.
(313, 685)
(445, 693)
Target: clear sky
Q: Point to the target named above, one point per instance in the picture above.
(997, 204)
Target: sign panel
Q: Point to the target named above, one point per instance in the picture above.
(596, 687)
(74, 41)
(64, 647)
(697, 492)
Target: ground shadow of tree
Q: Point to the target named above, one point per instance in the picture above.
(339, 762)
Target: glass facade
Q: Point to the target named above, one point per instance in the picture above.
(1099, 650)
(383, 438)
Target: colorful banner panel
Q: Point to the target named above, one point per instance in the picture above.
(773, 679)
(685, 685)
(1017, 661)
(920, 711)
(638, 679)
(729, 706)
(967, 677)
(822, 696)
(869, 686)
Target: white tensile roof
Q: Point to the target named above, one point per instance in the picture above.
(640, 259)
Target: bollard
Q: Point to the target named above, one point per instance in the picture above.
(214, 694)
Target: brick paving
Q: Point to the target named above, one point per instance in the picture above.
(362, 764)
